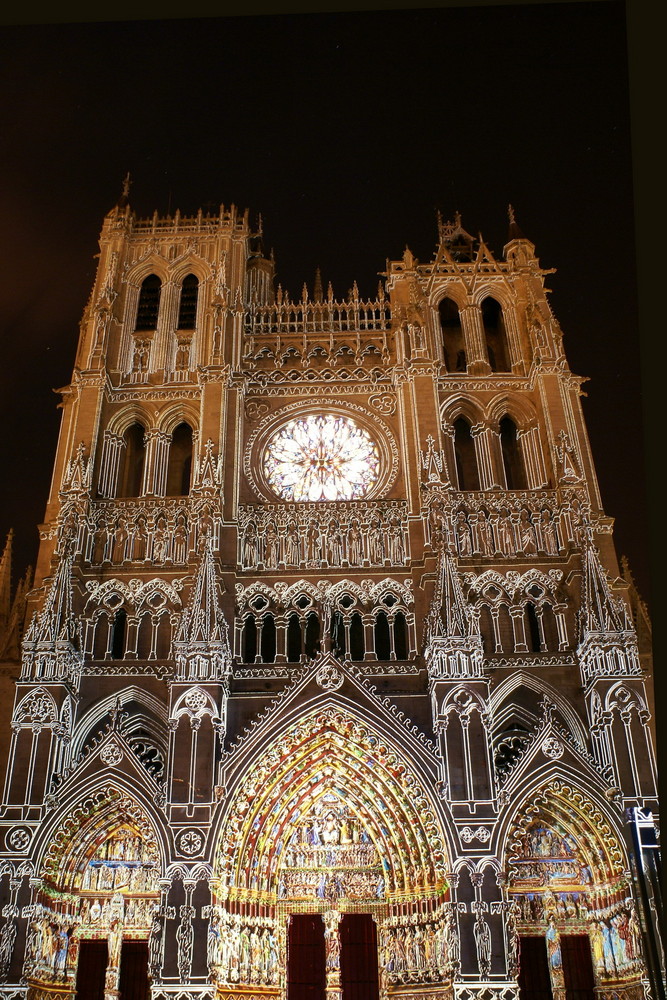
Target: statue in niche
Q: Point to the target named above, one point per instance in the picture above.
(139, 541)
(140, 356)
(396, 548)
(183, 355)
(334, 543)
(482, 935)
(160, 541)
(355, 543)
(553, 946)
(504, 535)
(180, 540)
(527, 534)
(99, 541)
(484, 534)
(313, 546)
(376, 544)
(332, 940)
(292, 545)
(271, 546)
(548, 529)
(463, 534)
(250, 545)
(119, 541)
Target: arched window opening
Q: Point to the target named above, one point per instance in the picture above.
(338, 645)
(145, 636)
(549, 627)
(101, 637)
(118, 635)
(268, 641)
(249, 640)
(357, 646)
(515, 473)
(132, 474)
(149, 303)
(400, 636)
(466, 459)
(382, 637)
(187, 310)
(533, 629)
(180, 462)
(312, 635)
(486, 630)
(294, 639)
(452, 336)
(496, 337)
(506, 629)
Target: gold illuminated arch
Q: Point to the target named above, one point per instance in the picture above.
(330, 751)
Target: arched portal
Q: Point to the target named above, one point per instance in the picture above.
(98, 891)
(331, 822)
(573, 915)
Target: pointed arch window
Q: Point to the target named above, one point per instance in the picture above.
(132, 473)
(149, 303)
(533, 637)
(249, 640)
(179, 470)
(187, 309)
(453, 339)
(312, 634)
(118, 630)
(515, 473)
(466, 457)
(495, 335)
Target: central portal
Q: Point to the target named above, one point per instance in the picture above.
(307, 957)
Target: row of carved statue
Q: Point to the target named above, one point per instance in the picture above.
(242, 950)
(324, 541)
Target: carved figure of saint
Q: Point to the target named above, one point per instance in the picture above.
(463, 534)
(553, 945)
(482, 935)
(180, 540)
(376, 544)
(313, 549)
(548, 529)
(354, 544)
(292, 545)
(139, 542)
(527, 534)
(160, 541)
(396, 549)
(484, 534)
(504, 536)
(271, 546)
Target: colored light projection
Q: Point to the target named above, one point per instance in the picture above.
(101, 872)
(331, 771)
(567, 878)
(323, 457)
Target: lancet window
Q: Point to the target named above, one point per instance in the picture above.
(495, 335)
(513, 464)
(130, 480)
(149, 303)
(527, 619)
(179, 468)
(467, 471)
(187, 308)
(453, 339)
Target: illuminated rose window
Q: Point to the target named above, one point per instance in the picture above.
(321, 458)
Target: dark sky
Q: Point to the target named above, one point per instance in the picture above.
(346, 132)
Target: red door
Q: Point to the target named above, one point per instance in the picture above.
(306, 973)
(133, 983)
(90, 970)
(577, 967)
(534, 980)
(359, 957)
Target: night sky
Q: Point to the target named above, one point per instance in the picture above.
(346, 132)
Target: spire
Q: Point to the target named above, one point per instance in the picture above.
(514, 231)
(601, 612)
(317, 288)
(454, 644)
(201, 648)
(56, 621)
(125, 193)
(6, 581)
(203, 620)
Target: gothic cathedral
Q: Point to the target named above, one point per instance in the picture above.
(330, 687)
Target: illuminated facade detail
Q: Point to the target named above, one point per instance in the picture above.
(328, 654)
(321, 458)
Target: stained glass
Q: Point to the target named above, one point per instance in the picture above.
(323, 457)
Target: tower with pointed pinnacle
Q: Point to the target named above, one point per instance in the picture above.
(329, 686)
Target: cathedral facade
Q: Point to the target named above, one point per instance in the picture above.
(329, 686)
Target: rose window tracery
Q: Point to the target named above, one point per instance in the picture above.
(321, 457)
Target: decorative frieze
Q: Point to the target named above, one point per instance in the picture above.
(323, 535)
